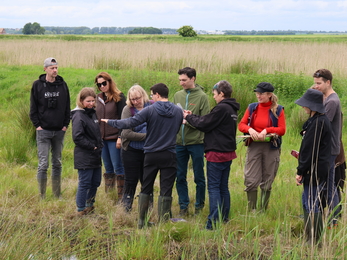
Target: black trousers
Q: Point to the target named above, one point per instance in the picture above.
(133, 160)
(166, 163)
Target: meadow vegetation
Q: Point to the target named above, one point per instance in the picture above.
(35, 229)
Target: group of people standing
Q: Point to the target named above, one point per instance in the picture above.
(136, 137)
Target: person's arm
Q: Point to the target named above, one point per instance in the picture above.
(34, 108)
(128, 123)
(78, 133)
(281, 126)
(129, 134)
(67, 112)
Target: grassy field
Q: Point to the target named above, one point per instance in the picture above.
(34, 229)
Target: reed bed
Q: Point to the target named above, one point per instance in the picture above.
(206, 57)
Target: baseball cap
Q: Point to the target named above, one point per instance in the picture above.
(50, 62)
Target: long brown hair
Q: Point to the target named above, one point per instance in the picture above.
(113, 91)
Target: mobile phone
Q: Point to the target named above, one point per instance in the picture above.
(295, 154)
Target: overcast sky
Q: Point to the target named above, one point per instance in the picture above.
(324, 15)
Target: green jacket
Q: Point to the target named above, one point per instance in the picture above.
(195, 100)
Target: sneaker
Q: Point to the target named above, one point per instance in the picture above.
(183, 212)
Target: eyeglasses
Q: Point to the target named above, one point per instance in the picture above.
(135, 99)
(102, 83)
(318, 75)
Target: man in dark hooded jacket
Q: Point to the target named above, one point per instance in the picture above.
(50, 114)
(163, 122)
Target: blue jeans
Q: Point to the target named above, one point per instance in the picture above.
(331, 193)
(88, 182)
(111, 156)
(311, 199)
(196, 152)
(218, 192)
(49, 141)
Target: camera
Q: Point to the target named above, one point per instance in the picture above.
(52, 102)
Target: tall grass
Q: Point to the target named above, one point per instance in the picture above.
(206, 57)
(34, 229)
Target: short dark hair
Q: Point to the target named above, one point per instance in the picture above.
(324, 74)
(161, 89)
(190, 72)
(225, 87)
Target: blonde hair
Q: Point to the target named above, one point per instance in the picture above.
(274, 105)
(142, 92)
(83, 94)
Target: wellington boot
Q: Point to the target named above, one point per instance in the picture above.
(164, 208)
(264, 200)
(313, 228)
(127, 202)
(42, 187)
(252, 200)
(110, 182)
(56, 186)
(143, 210)
(120, 186)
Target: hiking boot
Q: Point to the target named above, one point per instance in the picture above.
(183, 213)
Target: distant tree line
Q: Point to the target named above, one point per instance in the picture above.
(146, 30)
(33, 28)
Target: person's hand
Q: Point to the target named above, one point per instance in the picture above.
(186, 112)
(64, 128)
(104, 120)
(253, 134)
(118, 143)
(39, 128)
(262, 135)
(298, 179)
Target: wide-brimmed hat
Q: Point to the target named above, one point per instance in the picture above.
(313, 99)
(263, 87)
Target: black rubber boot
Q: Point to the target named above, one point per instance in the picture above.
(252, 199)
(42, 187)
(56, 186)
(143, 210)
(127, 202)
(264, 199)
(164, 208)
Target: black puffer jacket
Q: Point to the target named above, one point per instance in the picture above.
(86, 136)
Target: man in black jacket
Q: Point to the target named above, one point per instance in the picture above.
(50, 114)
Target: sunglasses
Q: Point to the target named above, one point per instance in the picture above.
(102, 83)
(318, 75)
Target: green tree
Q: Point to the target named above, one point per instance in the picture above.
(187, 31)
(33, 28)
(145, 30)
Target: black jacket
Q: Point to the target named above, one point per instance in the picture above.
(219, 126)
(315, 150)
(86, 136)
(50, 104)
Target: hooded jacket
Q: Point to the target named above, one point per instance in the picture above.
(50, 103)
(163, 122)
(219, 126)
(86, 136)
(195, 100)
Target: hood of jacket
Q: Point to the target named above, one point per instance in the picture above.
(231, 102)
(164, 108)
(58, 79)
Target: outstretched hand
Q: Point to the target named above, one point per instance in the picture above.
(104, 120)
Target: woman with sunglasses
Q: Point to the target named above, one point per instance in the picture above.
(133, 141)
(110, 104)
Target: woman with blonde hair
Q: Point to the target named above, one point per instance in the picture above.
(132, 144)
(260, 120)
(110, 104)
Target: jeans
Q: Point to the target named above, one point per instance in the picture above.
(311, 199)
(218, 192)
(111, 156)
(88, 182)
(164, 161)
(332, 196)
(196, 151)
(49, 141)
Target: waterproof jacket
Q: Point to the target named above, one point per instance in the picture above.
(50, 103)
(315, 150)
(109, 110)
(195, 100)
(86, 136)
(163, 122)
(219, 126)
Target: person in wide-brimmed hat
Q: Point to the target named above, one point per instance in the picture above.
(314, 158)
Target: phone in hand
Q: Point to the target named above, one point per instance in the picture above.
(295, 154)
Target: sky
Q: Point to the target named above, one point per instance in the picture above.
(209, 15)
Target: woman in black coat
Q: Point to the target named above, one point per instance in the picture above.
(87, 153)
